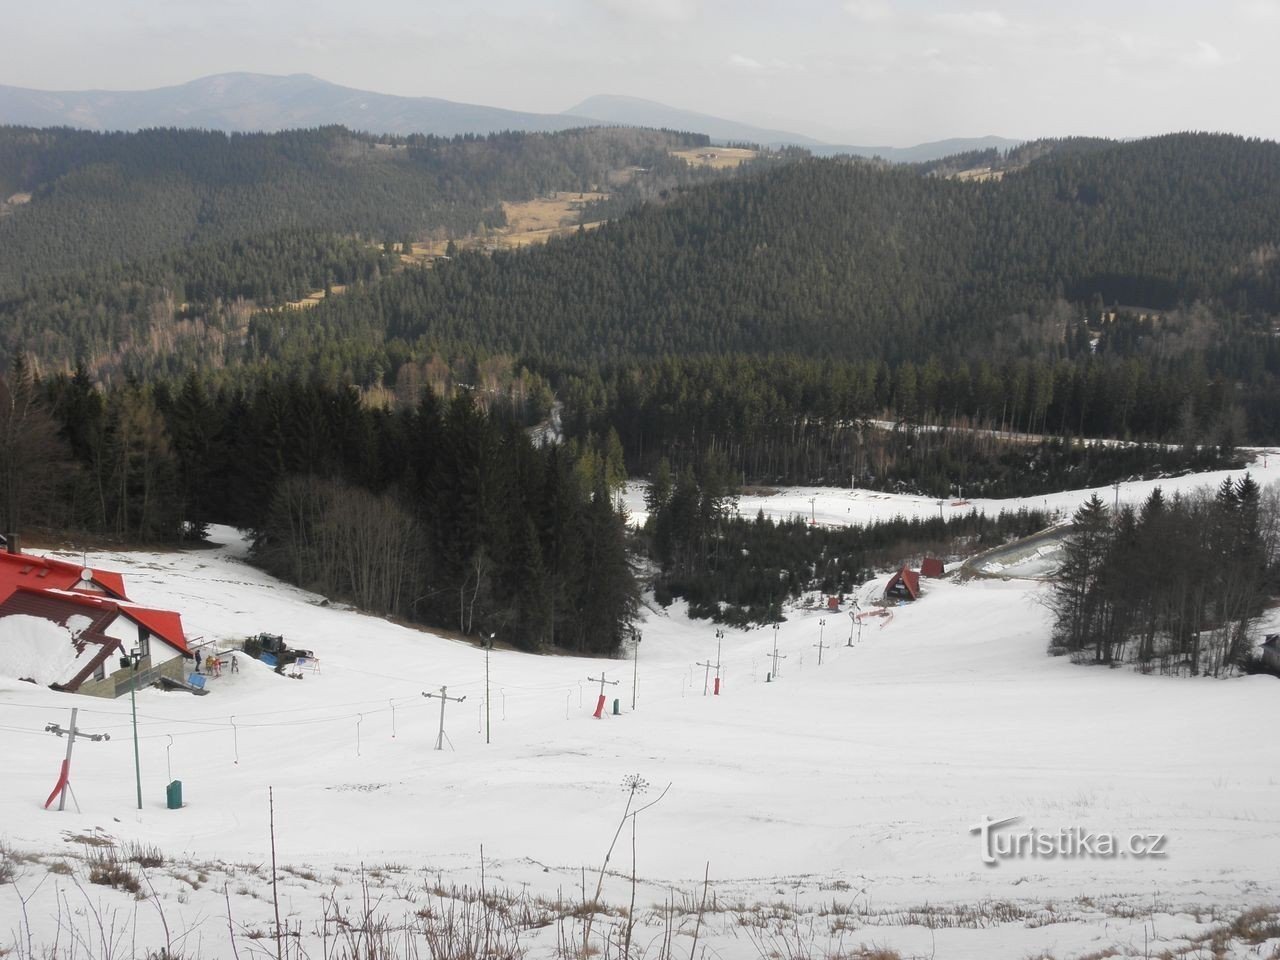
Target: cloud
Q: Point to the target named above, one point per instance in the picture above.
(746, 63)
(312, 44)
(868, 11)
(663, 11)
(1268, 11)
(1206, 55)
(973, 22)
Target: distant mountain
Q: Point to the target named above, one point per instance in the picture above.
(263, 102)
(251, 101)
(636, 112)
(922, 152)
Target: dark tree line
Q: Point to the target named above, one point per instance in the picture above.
(148, 251)
(440, 513)
(849, 260)
(740, 571)
(790, 420)
(117, 198)
(1175, 585)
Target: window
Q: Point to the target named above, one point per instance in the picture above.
(144, 643)
(100, 671)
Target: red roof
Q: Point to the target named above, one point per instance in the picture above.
(160, 623)
(165, 624)
(909, 579)
(65, 580)
(42, 573)
(931, 567)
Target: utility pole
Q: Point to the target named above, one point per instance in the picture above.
(487, 647)
(600, 703)
(776, 655)
(134, 656)
(719, 641)
(61, 789)
(813, 516)
(820, 645)
(706, 674)
(635, 664)
(441, 737)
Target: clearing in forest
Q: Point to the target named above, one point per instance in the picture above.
(720, 158)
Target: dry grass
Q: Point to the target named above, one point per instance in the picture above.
(143, 854)
(529, 222)
(718, 158)
(107, 869)
(316, 297)
(978, 175)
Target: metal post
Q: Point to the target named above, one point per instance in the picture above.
(776, 655)
(440, 735)
(635, 664)
(487, 647)
(63, 786)
(444, 698)
(600, 703)
(706, 674)
(719, 641)
(822, 625)
(71, 742)
(135, 655)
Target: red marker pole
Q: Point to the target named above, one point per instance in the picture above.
(600, 703)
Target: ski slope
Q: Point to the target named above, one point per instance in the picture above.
(851, 784)
(842, 506)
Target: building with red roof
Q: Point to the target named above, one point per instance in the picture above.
(903, 585)
(97, 620)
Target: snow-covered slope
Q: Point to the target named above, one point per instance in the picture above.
(841, 506)
(857, 780)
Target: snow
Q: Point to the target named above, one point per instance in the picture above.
(842, 506)
(33, 648)
(853, 784)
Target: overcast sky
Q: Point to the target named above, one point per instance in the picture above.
(892, 72)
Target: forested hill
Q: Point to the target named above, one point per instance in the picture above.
(848, 260)
(72, 200)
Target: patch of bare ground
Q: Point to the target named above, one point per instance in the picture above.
(529, 222)
(978, 175)
(718, 158)
(316, 297)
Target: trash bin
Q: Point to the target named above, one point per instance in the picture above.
(173, 795)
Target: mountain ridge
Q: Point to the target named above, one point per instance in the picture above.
(252, 102)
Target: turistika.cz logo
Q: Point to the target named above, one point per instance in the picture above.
(1068, 843)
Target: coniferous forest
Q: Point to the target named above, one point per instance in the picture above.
(1118, 600)
(795, 320)
(439, 513)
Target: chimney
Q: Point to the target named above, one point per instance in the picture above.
(11, 543)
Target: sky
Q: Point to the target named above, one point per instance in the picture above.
(884, 72)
